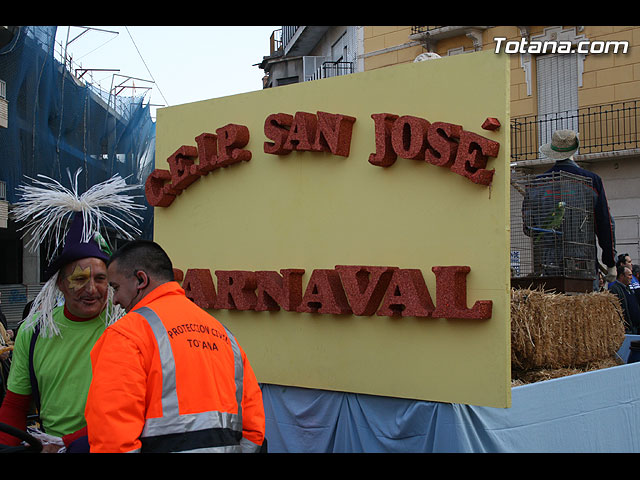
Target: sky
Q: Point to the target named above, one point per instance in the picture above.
(182, 64)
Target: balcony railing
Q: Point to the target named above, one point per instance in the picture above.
(422, 29)
(281, 37)
(335, 69)
(275, 42)
(288, 32)
(603, 128)
(332, 69)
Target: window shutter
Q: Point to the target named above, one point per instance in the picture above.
(557, 81)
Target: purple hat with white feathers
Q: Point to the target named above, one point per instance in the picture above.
(58, 215)
(75, 248)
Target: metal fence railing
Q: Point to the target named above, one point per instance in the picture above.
(335, 69)
(602, 128)
(423, 29)
(288, 31)
(275, 42)
(331, 69)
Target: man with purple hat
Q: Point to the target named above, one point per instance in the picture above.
(51, 364)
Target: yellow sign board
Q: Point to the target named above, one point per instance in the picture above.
(352, 232)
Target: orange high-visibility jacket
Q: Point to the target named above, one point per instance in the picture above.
(168, 377)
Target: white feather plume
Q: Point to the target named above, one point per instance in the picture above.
(42, 307)
(47, 206)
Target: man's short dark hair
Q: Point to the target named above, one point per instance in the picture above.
(620, 270)
(144, 255)
(622, 259)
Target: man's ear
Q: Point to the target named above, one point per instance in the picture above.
(143, 279)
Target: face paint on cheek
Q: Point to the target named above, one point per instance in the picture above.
(79, 278)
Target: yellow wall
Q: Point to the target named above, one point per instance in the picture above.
(611, 78)
(315, 210)
(385, 37)
(607, 78)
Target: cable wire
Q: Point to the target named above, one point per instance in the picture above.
(145, 64)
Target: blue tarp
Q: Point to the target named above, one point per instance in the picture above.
(596, 411)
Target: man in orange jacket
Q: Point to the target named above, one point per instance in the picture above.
(168, 377)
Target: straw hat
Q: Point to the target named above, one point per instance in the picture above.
(564, 143)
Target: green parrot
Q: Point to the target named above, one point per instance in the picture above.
(553, 220)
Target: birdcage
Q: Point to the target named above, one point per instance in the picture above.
(552, 232)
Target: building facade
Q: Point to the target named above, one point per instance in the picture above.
(595, 91)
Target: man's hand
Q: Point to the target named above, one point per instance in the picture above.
(50, 444)
(50, 448)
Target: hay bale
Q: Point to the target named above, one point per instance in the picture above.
(523, 377)
(556, 331)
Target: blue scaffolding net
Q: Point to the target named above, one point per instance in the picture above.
(58, 123)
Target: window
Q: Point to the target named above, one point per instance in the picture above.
(557, 82)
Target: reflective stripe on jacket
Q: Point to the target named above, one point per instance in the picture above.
(169, 378)
(173, 432)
